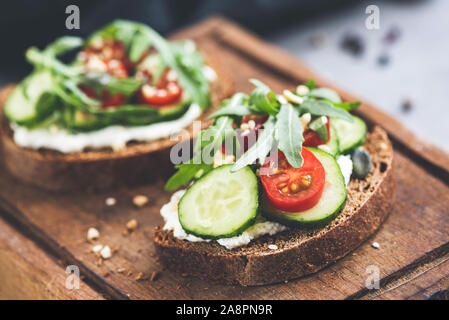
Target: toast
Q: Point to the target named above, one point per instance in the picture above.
(299, 251)
(98, 169)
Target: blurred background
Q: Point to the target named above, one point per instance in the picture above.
(403, 67)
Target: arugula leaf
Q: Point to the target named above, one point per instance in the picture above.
(323, 108)
(125, 86)
(325, 93)
(348, 106)
(310, 84)
(260, 149)
(139, 44)
(72, 86)
(186, 172)
(320, 128)
(290, 134)
(212, 138)
(45, 60)
(63, 45)
(263, 99)
(236, 106)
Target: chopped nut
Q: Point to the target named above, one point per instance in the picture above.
(290, 96)
(324, 148)
(302, 90)
(110, 201)
(376, 245)
(97, 248)
(106, 252)
(281, 99)
(305, 119)
(92, 234)
(131, 225)
(324, 119)
(154, 276)
(140, 200)
(383, 146)
(139, 276)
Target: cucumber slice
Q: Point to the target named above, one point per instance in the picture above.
(220, 204)
(350, 134)
(22, 104)
(328, 207)
(334, 142)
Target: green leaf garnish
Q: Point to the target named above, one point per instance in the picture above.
(290, 134)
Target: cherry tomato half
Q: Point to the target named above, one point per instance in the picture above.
(290, 189)
(311, 138)
(107, 100)
(166, 92)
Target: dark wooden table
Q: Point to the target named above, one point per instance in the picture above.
(41, 233)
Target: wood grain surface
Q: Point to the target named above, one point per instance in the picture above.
(414, 241)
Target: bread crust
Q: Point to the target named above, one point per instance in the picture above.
(99, 169)
(300, 252)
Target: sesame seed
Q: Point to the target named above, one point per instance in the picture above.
(376, 245)
(272, 247)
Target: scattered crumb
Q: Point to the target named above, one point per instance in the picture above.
(106, 252)
(318, 39)
(376, 245)
(286, 281)
(110, 201)
(125, 233)
(139, 250)
(140, 200)
(121, 270)
(383, 146)
(93, 234)
(139, 276)
(106, 274)
(406, 105)
(272, 247)
(99, 262)
(131, 225)
(129, 273)
(353, 44)
(97, 248)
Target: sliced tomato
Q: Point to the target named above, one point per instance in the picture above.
(166, 92)
(290, 189)
(311, 138)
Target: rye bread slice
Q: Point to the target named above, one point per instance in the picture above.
(139, 162)
(300, 251)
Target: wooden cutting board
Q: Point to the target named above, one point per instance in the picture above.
(42, 233)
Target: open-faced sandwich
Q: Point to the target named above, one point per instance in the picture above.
(278, 187)
(93, 112)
